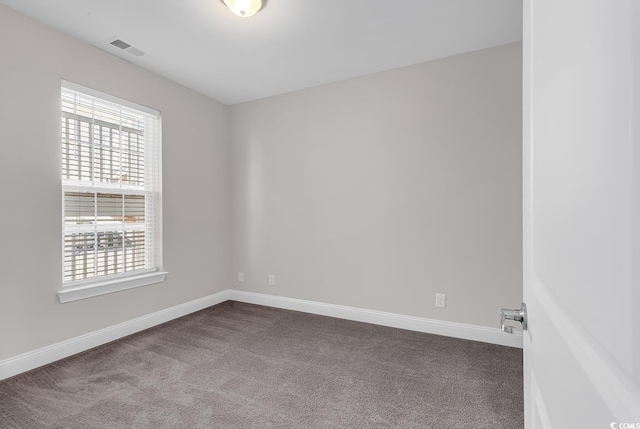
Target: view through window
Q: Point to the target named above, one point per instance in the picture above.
(110, 183)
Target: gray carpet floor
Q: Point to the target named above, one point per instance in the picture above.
(238, 365)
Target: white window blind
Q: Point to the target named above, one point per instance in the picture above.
(110, 187)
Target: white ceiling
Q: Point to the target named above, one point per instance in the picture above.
(290, 45)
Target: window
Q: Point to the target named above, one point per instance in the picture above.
(110, 194)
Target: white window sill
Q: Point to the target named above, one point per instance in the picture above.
(110, 286)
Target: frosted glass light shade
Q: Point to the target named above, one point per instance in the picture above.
(245, 8)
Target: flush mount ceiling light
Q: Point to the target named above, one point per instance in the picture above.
(245, 8)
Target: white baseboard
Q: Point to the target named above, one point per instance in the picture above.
(27, 361)
(430, 326)
(30, 360)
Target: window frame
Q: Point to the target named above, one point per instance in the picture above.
(86, 288)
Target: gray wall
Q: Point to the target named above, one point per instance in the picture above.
(195, 197)
(380, 191)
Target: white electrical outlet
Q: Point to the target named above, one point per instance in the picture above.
(441, 300)
(240, 277)
(272, 280)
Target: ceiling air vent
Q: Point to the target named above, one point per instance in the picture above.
(120, 44)
(126, 47)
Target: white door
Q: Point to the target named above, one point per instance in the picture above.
(582, 213)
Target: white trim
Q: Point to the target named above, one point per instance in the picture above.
(109, 286)
(431, 326)
(72, 95)
(30, 360)
(611, 383)
(108, 97)
(27, 361)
